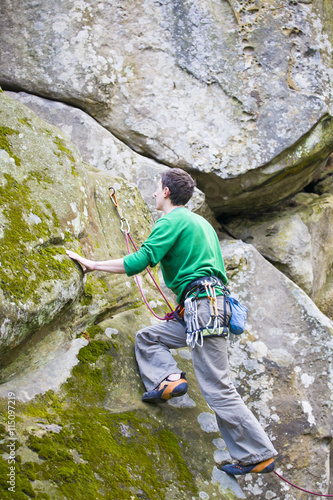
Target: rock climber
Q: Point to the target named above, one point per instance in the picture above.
(188, 250)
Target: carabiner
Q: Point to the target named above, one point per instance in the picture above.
(124, 221)
(113, 196)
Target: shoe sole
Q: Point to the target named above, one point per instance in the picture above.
(262, 468)
(180, 390)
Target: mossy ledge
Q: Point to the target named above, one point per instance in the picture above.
(95, 453)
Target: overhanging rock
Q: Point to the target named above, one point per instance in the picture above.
(233, 92)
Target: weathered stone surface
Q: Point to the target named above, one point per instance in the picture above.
(238, 93)
(36, 278)
(50, 201)
(97, 145)
(324, 184)
(298, 240)
(282, 367)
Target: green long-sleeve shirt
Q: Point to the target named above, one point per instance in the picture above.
(186, 246)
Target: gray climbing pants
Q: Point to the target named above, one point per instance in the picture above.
(245, 438)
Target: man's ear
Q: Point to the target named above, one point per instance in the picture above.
(166, 192)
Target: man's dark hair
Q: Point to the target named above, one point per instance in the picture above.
(180, 184)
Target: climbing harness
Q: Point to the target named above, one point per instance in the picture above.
(306, 491)
(195, 333)
(200, 283)
(238, 311)
(125, 228)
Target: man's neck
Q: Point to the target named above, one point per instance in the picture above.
(169, 208)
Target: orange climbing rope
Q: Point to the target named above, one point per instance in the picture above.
(125, 228)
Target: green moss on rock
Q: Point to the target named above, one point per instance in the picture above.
(90, 378)
(25, 121)
(119, 453)
(40, 178)
(100, 454)
(94, 330)
(94, 350)
(73, 171)
(63, 149)
(23, 269)
(5, 144)
(23, 486)
(92, 287)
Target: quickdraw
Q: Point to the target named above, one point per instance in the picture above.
(193, 331)
(214, 315)
(125, 228)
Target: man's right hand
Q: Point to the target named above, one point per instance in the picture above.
(88, 265)
(108, 266)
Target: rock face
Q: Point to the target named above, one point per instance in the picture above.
(81, 425)
(237, 93)
(49, 200)
(81, 430)
(298, 240)
(283, 370)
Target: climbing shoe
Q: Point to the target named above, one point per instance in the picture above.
(167, 389)
(239, 469)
